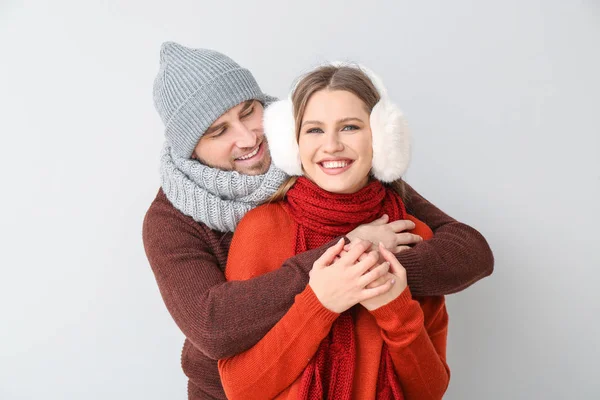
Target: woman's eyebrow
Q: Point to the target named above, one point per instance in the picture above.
(312, 122)
(340, 121)
(347, 119)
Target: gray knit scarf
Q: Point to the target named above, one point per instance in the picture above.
(212, 196)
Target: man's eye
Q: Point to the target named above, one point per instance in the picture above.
(314, 130)
(218, 133)
(248, 113)
(350, 128)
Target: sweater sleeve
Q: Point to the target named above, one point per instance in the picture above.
(220, 318)
(278, 359)
(263, 238)
(456, 257)
(416, 335)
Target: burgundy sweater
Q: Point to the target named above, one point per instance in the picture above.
(221, 319)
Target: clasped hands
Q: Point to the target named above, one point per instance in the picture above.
(365, 271)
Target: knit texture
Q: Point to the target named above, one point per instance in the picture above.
(194, 87)
(414, 330)
(212, 196)
(320, 217)
(218, 318)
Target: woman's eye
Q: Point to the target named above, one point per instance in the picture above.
(314, 130)
(350, 128)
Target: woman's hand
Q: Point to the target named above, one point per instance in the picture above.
(396, 274)
(340, 280)
(394, 235)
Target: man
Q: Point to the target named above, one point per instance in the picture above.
(215, 167)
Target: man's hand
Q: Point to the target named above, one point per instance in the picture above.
(394, 235)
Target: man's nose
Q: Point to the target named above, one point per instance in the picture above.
(246, 137)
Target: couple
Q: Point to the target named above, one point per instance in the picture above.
(330, 289)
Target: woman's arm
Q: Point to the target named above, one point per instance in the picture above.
(277, 360)
(416, 335)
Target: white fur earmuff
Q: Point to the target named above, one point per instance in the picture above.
(391, 137)
(280, 130)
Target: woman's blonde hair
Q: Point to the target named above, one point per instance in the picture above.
(349, 78)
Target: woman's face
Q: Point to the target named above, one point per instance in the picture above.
(335, 141)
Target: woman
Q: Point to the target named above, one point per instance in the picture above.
(355, 332)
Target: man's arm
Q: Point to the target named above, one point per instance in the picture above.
(220, 318)
(456, 257)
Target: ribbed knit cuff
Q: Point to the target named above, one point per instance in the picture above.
(308, 302)
(396, 308)
(414, 271)
(401, 318)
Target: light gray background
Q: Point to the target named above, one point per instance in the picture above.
(504, 102)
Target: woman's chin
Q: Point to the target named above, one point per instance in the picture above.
(340, 187)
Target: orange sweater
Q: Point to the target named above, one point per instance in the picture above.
(415, 330)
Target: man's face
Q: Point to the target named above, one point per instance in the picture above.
(236, 141)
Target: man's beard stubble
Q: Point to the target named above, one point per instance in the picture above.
(258, 169)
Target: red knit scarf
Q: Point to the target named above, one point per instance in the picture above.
(322, 216)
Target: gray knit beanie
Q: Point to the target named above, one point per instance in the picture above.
(194, 87)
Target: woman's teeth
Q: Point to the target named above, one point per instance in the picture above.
(334, 164)
(255, 152)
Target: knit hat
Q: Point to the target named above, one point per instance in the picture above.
(194, 87)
